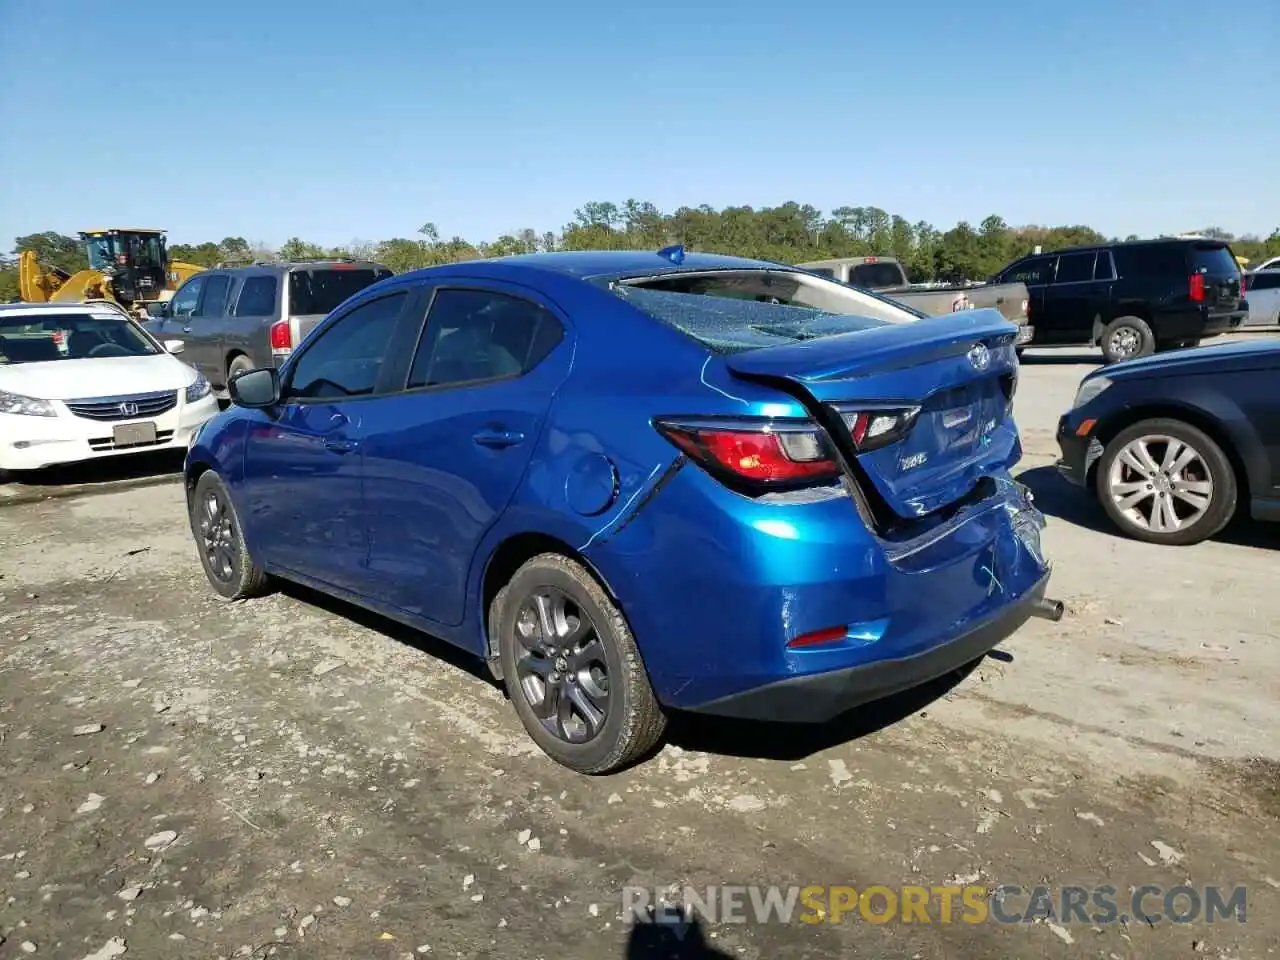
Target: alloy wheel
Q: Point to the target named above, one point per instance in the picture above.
(1125, 342)
(217, 537)
(561, 666)
(1160, 483)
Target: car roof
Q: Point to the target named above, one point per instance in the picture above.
(1123, 244)
(287, 266)
(18, 309)
(604, 264)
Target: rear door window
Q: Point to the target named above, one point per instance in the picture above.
(1075, 267)
(1103, 269)
(346, 359)
(257, 297)
(1152, 260)
(320, 290)
(1265, 280)
(476, 335)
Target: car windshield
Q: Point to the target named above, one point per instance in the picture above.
(726, 325)
(43, 337)
(319, 290)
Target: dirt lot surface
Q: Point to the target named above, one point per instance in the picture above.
(180, 777)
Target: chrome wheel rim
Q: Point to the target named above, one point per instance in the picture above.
(1160, 484)
(217, 536)
(1125, 342)
(561, 666)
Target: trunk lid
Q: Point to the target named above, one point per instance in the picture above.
(958, 372)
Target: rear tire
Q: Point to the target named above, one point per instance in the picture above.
(232, 572)
(1126, 338)
(5, 476)
(572, 669)
(1164, 481)
(239, 364)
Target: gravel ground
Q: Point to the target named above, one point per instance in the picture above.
(181, 777)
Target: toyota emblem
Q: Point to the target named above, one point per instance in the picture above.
(979, 356)
(129, 408)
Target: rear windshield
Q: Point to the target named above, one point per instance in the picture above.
(1216, 261)
(319, 290)
(876, 275)
(726, 325)
(70, 336)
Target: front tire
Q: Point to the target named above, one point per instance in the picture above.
(232, 572)
(239, 364)
(572, 669)
(1126, 338)
(1164, 481)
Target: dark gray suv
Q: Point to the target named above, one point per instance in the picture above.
(237, 318)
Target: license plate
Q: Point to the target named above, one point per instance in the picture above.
(1024, 335)
(133, 434)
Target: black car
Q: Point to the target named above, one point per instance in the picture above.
(1171, 445)
(1133, 298)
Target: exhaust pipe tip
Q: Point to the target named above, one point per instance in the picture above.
(1047, 609)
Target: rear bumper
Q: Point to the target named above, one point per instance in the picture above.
(1220, 323)
(821, 697)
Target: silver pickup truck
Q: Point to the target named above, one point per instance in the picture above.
(885, 276)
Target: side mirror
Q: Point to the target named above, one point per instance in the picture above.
(255, 388)
(174, 346)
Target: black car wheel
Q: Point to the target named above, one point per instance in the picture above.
(572, 668)
(228, 565)
(1126, 338)
(239, 364)
(1164, 481)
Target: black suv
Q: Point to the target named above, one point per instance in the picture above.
(1132, 298)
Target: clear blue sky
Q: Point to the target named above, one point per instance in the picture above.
(336, 121)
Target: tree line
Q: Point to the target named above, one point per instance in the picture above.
(789, 233)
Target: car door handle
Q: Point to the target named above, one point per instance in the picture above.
(187, 328)
(498, 438)
(340, 445)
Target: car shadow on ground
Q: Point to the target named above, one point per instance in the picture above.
(1060, 358)
(720, 735)
(140, 466)
(1060, 499)
(673, 935)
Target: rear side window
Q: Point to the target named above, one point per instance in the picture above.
(215, 296)
(1155, 260)
(1075, 267)
(1031, 272)
(876, 275)
(257, 297)
(477, 335)
(321, 289)
(345, 359)
(1216, 261)
(1265, 280)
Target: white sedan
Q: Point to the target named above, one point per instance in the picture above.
(1262, 293)
(83, 381)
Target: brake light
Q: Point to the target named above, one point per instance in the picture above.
(870, 259)
(1243, 284)
(768, 453)
(281, 337)
(1196, 287)
(873, 429)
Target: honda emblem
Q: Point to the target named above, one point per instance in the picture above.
(129, 408)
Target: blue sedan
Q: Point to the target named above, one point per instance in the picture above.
(640, 482)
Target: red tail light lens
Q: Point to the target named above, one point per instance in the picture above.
(281, 337)
(1244, 283)
(1195, 287)
(873, 429)
(761, 452)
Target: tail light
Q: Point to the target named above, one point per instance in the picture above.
(1195, 288)
(871, 429)
(281, 337)
(765, 453)
(1244, 283)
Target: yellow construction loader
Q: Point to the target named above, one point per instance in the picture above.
(128, 266)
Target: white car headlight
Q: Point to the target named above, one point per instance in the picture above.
(198, 388)
(1089, 390)
(16, 403)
